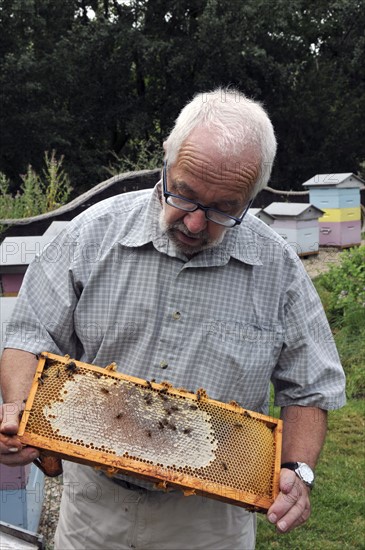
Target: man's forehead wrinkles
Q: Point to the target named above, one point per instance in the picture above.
(180, 186)
(206, 169)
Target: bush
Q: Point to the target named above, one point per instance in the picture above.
(344, 286)
(37, 194)
(342, 290)
(141, 155)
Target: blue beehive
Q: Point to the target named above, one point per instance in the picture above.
(338, 195)
(21, 496)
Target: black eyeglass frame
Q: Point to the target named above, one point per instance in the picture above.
(199, 206)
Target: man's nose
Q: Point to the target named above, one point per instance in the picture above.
(195, 221)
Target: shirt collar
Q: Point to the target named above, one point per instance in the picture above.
(239, 242)
(145, 228)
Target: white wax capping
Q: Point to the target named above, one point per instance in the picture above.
(123, 418)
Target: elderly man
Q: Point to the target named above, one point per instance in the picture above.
(179, 283)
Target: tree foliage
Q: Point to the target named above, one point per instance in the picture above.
(99, 79)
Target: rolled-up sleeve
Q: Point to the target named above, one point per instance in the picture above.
(42, 319)
(309, 371)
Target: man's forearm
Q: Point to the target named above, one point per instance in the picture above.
(17, 370)
(304, 432)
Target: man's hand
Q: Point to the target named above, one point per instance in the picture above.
(292, 506)
(17, 370)
(304, 431)
(12, 452)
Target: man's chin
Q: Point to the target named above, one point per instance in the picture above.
(188, 245)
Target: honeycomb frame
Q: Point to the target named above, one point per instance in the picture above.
(152, 431)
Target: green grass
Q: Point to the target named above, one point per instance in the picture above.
(338, 499)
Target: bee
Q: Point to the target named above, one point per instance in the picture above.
(201, 393)
(119, 416)
(148, 399)
(148, 384)
(247, 414)
(163, 390)
(165, 421)
(187, 430)
(172, 426)
(112, 367)
(238, 425)
(174, 408)
(42, 377)
(193, 407)
(149, 433)
(58, 372)
(104, 390)
(161, 425)
(163, 396)
(71, 367)
(224, 466)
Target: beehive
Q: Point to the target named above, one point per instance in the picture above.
(338, 195)
(100, 417)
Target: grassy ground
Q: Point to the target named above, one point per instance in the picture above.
(338, 500)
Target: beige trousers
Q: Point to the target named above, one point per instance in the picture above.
(98, 514)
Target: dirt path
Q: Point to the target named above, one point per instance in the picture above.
(322, 262)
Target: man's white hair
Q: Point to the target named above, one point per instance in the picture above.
(238, 123)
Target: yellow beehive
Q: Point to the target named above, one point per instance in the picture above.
(123, 424)
(341, 214)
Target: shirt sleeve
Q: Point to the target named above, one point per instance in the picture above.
(309, 371)
(42, 319)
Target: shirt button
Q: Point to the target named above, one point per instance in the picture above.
(176, 315)
(164, 364)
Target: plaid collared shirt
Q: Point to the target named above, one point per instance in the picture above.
(112, 287)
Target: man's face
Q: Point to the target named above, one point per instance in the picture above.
(202, 174)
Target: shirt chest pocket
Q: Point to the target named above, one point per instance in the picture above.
(247, 348)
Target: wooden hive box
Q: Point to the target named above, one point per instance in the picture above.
(338, 195)
(177, 439)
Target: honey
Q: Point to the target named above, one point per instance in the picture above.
(99, 417)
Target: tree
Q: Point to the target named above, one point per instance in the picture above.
(100, 79)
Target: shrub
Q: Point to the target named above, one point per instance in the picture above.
(144, 155)
(342, 290)
(345, 284)
(37, 194)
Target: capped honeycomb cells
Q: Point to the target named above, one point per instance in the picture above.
(124, 419)
(104, 412)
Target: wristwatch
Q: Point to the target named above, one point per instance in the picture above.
(302, 470)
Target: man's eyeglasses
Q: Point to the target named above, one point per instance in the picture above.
(216, 216)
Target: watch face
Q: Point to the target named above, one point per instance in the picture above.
(305, 472)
